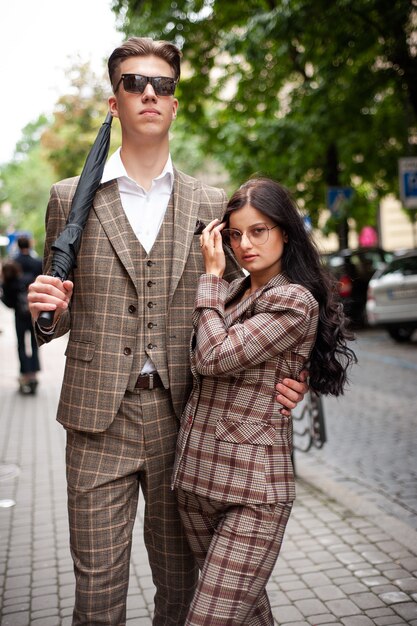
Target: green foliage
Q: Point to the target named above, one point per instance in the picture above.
(53, 149)
(78, 116)
(25, 185)
(315, 94)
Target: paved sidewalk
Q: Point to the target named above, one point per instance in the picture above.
(343, 561)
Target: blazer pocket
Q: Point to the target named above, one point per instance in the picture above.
(80, 350)
(246, 431)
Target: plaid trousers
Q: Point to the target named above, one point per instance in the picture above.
(236, 548)
(104, 472)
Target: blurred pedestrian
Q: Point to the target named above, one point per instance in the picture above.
(17, 274)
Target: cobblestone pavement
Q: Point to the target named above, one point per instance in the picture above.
(344, 561)
(372, 433)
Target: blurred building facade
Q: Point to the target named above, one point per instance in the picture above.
(394, 227)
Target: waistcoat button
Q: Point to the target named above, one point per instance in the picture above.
(149, 263)
(150, 283)
(150, 304)
(151, 325)
(151, 346)
(127, 351)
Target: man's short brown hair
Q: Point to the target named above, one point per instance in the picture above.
(144, 46)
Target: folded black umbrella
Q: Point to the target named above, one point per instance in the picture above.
(65, 248)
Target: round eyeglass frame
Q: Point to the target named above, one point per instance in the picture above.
(233, 244)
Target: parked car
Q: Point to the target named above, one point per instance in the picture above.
(392, 297)
(353, 270)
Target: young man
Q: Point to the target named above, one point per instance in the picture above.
(127, 374)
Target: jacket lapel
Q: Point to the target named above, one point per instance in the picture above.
(186, 204)
(237, 311)
(245, 305)
(110, 213)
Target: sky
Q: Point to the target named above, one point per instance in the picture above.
(39, 41)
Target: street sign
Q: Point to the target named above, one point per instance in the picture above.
(308, 223)
(336, 198)
(407, 169)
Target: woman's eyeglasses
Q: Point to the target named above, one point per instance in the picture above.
(257, 235)
(136, 83)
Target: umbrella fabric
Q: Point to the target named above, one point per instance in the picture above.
(65, 248)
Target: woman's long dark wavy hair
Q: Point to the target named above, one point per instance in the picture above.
(331, 357)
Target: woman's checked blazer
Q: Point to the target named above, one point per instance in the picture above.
(234, 445)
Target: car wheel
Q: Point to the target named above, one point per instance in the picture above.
(400, 333)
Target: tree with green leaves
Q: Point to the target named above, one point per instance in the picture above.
(316, 95)
(25, 184)
(77, 118)
(52, 149)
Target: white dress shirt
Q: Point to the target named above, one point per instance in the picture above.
(145, 210)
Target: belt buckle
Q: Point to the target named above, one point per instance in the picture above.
(150, 381)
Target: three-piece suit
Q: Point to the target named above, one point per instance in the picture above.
(128, 305)
(233, 468)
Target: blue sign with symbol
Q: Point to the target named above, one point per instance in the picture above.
(408, 181)
(337, 197)
(410, 184)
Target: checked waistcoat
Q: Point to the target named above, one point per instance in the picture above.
(153, 274)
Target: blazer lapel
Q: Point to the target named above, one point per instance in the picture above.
(237, 311)
(246, 304)
(110, 213)
(186, 204)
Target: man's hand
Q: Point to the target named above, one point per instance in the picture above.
(49, 293)
(291, 392)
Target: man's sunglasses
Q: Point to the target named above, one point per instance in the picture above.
(136, 83)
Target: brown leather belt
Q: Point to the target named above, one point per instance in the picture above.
(148, 381)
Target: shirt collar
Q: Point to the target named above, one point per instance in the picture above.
(114, 169)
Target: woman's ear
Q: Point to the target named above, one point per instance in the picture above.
(284, 236)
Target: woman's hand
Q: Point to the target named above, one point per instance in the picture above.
(211, 244)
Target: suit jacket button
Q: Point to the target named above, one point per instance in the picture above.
(151, 346)
(127, 351)
(132, 308)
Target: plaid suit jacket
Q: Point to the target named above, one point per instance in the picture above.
(234, 445)
(100, 319)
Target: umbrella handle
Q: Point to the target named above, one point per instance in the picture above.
(46, 319)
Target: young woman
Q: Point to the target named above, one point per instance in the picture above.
(233, 472)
